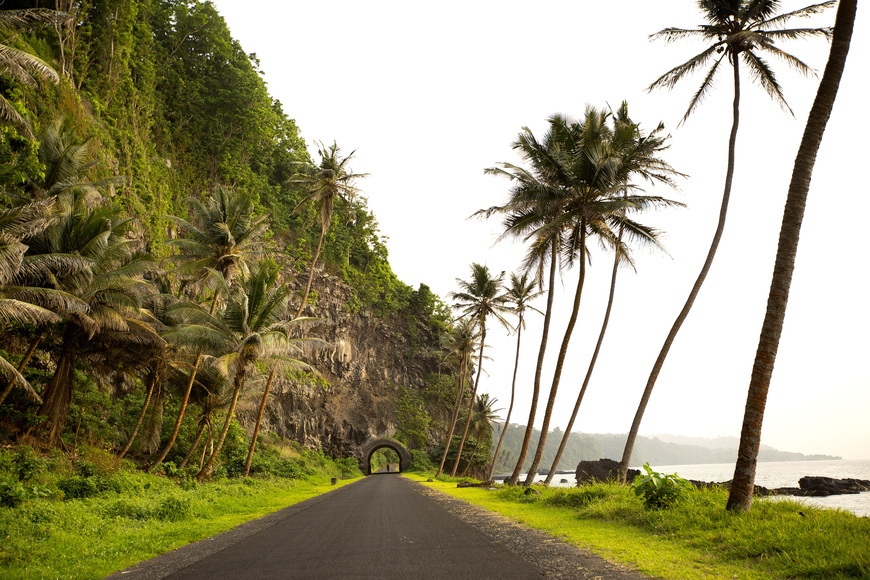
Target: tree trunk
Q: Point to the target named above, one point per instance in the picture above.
(58, 392)
(536, 390)
(711, 253)
(588, 376)
(23, 364)
(455, 415)
(471, 404)
(184, 401)
(560, 362)
(311, 274)
(202, 424)
(513, 396)
(257, 425)
(237, 389)
(740, 497)
(141, 417)
(471, 459)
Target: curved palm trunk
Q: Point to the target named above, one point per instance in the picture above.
(455, 415)
(311, 274)
(59, 391)
(711, 253)
(186, 398)
(23, 364)
(560, 363)
(740, 497)
(199, 432)
(471, 404)
(237, 389)
(141, 417)
(513, 396)
(536, 391)
(259, 419)
(588, 376)
(471, 459)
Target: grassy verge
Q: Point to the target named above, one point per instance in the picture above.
(129, 516)
(695, 538)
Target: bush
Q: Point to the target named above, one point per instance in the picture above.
(13, 493)
(659, 490)
(78, 487)
(420, 461)
(577, 497)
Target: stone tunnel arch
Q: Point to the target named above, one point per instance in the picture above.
(372, 445)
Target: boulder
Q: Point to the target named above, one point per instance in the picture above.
(602, 470)
(825, 486)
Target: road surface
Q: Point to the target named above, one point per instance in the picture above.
(383, 526)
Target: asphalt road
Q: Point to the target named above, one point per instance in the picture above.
(383, 526)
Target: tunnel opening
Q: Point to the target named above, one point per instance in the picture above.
(386, 455)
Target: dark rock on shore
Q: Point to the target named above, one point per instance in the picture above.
(602, 470)
(809, 487)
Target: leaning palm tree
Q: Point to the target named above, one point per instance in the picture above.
(24, 67)
(479, 299)
(481, 424)
(252, 328)
(327, 183)
(224, 237)
(464, 340)
(529, 208)
(631, 154)
(743, 483)
(737, 31)
(520, 292)
(596, 170)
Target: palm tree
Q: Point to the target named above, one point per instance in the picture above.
(631, 154)
(738, 31)
(743, 483)
(25, 68)
(481, 423)
(332, 180)
(478, 299)
(110, 287)
(528, 209)
(593, 172)
(224, 237)
(251, 329)
(520, 292)
(465, 337)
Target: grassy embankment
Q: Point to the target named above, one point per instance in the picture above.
(89, 518)
(695, 538)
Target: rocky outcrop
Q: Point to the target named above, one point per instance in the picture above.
(368, 360)
(810, 486)
(602, 470)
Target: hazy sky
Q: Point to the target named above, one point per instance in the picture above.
(431, 94)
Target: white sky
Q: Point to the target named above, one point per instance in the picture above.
(431, 94)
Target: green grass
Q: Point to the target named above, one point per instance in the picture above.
(695, 538)
(91, 516)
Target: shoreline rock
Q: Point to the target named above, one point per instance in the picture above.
(810, 486)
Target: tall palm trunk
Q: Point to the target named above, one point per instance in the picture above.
(135, 432)
(560, 362)
(23, 364)
(237, 389)
(507, 420)
(471, 404)
(711, 253)
(59, 391)
(588, 376)
(463, 369)
(186, 398)
(536, 391)
(259, 419)
(471, 459)
(740, 498)
(311, 274)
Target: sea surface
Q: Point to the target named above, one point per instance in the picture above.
(776, 474)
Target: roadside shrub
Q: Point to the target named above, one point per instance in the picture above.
(26, 463)
(659, 490)
(174, 509)
(77, 487)
(420, 461)
(13, 493)
(577, 497)
(349, 467)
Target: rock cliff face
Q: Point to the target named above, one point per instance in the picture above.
(369, 360)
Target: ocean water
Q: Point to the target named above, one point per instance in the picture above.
(776, 474)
